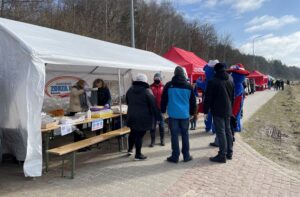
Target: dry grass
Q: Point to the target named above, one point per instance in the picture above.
(274, 131)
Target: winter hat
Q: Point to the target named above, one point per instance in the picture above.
(141, 77)
(212, 63)
(180, 71)
(220, 67)
(238, 68)
(157, 76)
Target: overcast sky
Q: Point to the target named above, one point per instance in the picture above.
(276, 21)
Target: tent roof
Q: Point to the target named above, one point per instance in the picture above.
(256, 73)
(56, 48)
(187, 59)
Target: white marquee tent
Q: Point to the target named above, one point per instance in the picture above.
(28, 53)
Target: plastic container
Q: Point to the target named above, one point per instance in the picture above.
(89, 114)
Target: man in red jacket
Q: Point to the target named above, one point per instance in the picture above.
(157, 89)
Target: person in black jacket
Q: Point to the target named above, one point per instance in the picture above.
(142, 113)
(219, 98)
(179, 100)
(104, 97)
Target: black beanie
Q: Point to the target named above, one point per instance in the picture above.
(179, 71)
(220, 67)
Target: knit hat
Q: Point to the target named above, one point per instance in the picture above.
(157, 76)
(220, 67)
(180, 71)
(212, 63)
(238, 68)
(141, 77)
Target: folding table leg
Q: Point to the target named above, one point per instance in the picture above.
(119, 144)
(45, 150)
(62, 166)
(73, 164)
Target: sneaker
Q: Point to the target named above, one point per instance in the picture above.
(140, 157)
(151, 145)
(188, 159)
(218, 159)
(213, 144)
(172, 160)
(162, 143)
(229, 157)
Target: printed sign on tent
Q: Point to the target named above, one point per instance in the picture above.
(60, 86)
(97, 124)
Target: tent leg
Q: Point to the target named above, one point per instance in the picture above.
(62, 166)
(73, 164)
(46, 137)
(120, 99)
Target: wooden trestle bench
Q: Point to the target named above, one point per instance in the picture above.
(70, 149)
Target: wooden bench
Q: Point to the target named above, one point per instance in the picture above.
(73, 147)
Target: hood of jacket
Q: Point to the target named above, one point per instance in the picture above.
(179, 80)
(139, 86)
(222, 75)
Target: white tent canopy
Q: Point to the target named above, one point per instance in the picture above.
(27, 53)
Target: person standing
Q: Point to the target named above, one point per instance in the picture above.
(101, 97)
(179, 101)
(78, 98)
(157, 90)
(252, 86)
(103, 93)
(78, 103)
(142, 113)
(219, 98)
(194, 118)
(209, 74)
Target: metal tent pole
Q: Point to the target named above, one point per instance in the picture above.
(120, 99)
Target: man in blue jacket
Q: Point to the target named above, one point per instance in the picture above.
(179, 101)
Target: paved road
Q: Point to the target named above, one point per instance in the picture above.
(113, 174)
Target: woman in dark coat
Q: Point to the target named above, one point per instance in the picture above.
(142, 113)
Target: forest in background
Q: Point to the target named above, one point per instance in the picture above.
(157, 28)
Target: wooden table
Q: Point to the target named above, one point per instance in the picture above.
(46, 133)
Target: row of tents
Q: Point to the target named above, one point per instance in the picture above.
(194, 66)
(36, 61)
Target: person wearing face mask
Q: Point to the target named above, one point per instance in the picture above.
(157, 90)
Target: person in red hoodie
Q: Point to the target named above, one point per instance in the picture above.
(157, 89)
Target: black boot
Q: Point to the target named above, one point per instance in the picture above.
(218, 159)
(152, 139)
(162, 142)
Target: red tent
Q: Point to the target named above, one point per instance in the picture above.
(192, 63)
(261, 80)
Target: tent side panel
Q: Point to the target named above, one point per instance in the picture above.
(22, 80)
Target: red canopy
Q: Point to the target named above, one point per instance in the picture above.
(192, 63)
(260, 79)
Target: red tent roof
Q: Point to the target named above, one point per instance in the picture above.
(191, 62)
(260, 79)
(256, 73)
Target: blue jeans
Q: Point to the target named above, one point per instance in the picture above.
(179, 126)
(224, 135)
(209, 123)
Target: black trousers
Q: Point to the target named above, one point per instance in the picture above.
(136, 139)
(224, 135)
